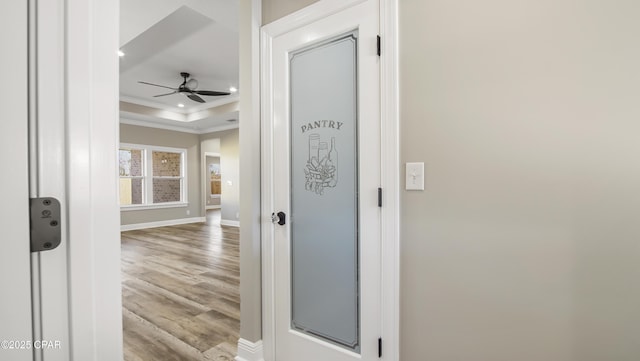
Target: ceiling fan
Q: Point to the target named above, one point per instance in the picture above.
(187, 87)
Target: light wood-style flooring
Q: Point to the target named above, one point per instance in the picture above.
(180, 291)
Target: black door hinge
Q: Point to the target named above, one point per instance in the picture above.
(379, 46)
(380, 348)
(379, 197)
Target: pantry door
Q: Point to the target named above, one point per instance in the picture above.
(323, 116)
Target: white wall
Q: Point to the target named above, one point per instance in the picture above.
(249, 136)
(230, 165)
(524, 245)
(210, 145)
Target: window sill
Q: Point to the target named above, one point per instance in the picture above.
(141, 207)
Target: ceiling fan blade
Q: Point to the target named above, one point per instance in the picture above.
(161, 95)
(161, 86)
(210, 92)
(195, 98)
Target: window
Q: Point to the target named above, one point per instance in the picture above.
(152, 177)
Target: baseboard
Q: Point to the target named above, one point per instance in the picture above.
(170, 222)
(212, 207)
(249, 351)
(225, 222)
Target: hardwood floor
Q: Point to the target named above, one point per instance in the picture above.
(180, 291)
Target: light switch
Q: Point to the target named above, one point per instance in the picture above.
(415, 177)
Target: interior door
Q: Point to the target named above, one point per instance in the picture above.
(15, 295)
(326, 143)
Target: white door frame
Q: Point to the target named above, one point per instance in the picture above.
(390, 166)
(48, 175)
(91, 143)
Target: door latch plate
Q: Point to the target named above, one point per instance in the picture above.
(45, 224)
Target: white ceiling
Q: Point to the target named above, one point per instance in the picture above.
(161, 38)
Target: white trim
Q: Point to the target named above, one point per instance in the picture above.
(249, 351)
(151, 124)
(226, 222)
(91, 99)
(56, 174)
(212, 207)
(152, 147)
(140, 207)
(307, 15)
(219, 128)
(174, 128)
(390, 147)
(170, 222)
(152, 104)
(266, 192)
(390, 163)
(186, 111)
(211, 154)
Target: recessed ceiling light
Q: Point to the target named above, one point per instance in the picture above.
(120, 53)
(233, 89)
(181, 105)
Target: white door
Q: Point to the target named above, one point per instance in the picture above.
(15, 295)
(326, 173)
(34, 302)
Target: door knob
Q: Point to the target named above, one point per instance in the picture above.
(279, 218)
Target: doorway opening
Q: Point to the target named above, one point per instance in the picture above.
(179, 197)
(212, 180)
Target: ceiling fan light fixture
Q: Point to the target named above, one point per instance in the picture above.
(233, 89)
(192, 84)
(188, 88)
(180, 105)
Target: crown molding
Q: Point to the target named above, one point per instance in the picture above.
(219, 128)
(173, 128)
(152, 104)
(186, 111)
(151, 124)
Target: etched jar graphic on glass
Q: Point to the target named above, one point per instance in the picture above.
(321, 170)
(314, 144)
(333, 162)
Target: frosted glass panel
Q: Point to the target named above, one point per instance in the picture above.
(324, 191)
